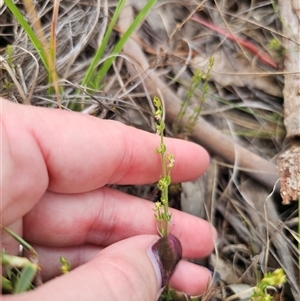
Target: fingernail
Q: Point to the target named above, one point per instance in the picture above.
(167, 252)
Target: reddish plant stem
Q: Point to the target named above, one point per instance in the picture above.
(263, 57)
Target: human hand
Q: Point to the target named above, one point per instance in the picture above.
(55, 165)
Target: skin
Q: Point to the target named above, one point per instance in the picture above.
(55, 165)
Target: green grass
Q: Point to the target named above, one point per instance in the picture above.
(27, 28)
(93, 77)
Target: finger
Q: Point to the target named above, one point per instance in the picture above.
(191, 278)
(49, 258)
(105, 216)
(71, 153)
(83, 152)
(24, 173)
(122, 271)
(188, 277)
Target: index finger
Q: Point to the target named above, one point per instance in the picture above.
(82, 153)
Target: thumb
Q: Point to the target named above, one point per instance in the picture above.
(132, 269)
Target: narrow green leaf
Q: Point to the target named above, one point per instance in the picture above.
(6, 285)
(137, 21)
(35, 41)
(90, 74)
(23, 283)
(21, 241)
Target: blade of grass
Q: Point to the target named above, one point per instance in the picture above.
(38, 39)
(6, 285)
(21, 241)
(34, 39)
(23, 283)
(48, 49)
(137, 21)
(13, 261)
(98, 56)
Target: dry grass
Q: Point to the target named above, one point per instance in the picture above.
(243, 109)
